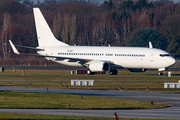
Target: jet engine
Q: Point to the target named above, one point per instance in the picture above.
(99, 66)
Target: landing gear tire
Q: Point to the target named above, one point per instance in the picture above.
(160, 73)
(90, 73)
(113, 72)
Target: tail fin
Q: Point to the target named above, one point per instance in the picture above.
(44, 33)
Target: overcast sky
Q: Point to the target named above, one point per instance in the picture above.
(98, 0)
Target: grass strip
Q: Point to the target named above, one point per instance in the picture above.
(62, 101)
(40, 117)
(135, 82)
(66, 75)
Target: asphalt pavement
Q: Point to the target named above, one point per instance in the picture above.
(172, 112)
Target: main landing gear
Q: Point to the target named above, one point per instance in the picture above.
(160, 73)
(90, 73)
(113, 72)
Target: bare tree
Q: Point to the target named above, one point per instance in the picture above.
(73, 29)
(4, 35)
(57, 25)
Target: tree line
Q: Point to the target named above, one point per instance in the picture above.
(114, 22)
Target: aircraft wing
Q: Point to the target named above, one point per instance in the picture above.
(57, 57)
(85, 62)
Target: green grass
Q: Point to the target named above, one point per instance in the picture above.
(61, 101)
(27, 116)
(131, 82)
(138, 82)
(65, 75)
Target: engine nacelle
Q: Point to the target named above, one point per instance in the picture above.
(137, 70)
(99, 66)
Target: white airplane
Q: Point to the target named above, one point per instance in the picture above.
(96, 58)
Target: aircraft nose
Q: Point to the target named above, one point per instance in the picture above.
(171, 61)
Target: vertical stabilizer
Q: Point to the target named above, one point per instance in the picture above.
(44, 34)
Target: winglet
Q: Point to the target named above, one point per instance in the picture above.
(150, 45)
(13, 47)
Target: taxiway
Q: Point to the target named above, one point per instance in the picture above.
(172, 112)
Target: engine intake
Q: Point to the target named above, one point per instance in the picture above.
(99, 66)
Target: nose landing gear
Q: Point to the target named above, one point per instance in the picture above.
(160, 73)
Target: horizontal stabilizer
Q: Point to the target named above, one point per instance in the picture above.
(13, 47)
(39, 49)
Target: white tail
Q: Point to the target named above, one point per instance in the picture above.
(44, 34)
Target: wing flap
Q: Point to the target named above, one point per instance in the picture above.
(14, 48)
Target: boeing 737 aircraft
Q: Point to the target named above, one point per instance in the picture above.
(96, 58)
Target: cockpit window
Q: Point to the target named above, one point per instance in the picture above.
(163, 55)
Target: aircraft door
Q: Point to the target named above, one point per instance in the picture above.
(152, 57)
